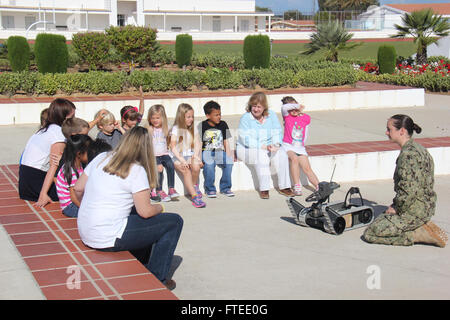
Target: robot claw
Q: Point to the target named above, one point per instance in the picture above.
(331, 217)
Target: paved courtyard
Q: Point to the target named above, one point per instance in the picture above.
(247, 248)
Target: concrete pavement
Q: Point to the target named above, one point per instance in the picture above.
(247, 248)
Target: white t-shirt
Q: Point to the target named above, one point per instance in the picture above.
(37, 150)
(184, 148)
(159, 142)
(107, 202)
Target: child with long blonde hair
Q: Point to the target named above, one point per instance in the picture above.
(159, 131)
(185, 151)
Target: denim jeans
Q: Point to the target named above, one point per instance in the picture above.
(223, 161)
(152, 241)
(71, 210)
(167, 163)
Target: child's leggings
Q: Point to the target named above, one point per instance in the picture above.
(167, 163)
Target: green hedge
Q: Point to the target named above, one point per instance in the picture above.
(134, 44)
(183, 49)
(218, 60)
(18, 53)
(96, 82)
(387, 58)
(92, 48)
(257, 51)
(51, 53)
(429, 80)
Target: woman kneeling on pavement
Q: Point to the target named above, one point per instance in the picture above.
(407, 220)
(116, 213)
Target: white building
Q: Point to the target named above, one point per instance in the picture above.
(28, 17)
(386, 16)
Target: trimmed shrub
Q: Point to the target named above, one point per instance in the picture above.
(183, 50)
(257, 51)
(134, 44)
(163, 56)
(215, 79)
(92, 48)
(51, 53)
(437, 59)
(18, 53)
(387, 58)
(338, 76)
(218, 60)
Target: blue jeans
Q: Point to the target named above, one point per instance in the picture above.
(223, 161)
(71, 210)
(152, 241)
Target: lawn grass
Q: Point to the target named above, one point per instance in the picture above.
(368, 50)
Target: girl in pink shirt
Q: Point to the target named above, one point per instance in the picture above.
(74, 156)
(295, 133)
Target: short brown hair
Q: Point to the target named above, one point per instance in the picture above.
(73, 126)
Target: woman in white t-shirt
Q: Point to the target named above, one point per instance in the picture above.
(116, 213)
(36, 171)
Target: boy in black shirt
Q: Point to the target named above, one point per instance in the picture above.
(216, 151)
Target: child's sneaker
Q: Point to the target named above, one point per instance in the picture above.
(197, 189)
(198, 202)
(173, 194)
(211, 194)
(164, 197)
(154, 196)
(228, 193)
(298, 190)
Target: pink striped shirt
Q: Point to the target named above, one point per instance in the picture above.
(62, 187)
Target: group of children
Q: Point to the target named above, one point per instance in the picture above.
(182, 148)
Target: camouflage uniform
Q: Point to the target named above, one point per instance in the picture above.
(414, 202)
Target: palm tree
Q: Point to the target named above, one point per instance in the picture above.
(331, 37)
(425, 27)
(351, 4)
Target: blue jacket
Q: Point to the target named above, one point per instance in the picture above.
(252, 134)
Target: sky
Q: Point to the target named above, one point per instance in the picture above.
(307, 6)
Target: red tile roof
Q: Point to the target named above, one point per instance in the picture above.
(440, 8)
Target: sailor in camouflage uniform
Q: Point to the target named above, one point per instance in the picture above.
(407, 220)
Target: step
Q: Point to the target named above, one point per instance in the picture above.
(24, 110)
(354, 161)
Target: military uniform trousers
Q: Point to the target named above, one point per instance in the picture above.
(397, 230)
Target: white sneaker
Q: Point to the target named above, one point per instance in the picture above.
(298, 190)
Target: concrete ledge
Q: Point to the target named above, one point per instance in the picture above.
(27, 109)
(351, 166)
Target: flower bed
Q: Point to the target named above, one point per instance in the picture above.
(433, 76)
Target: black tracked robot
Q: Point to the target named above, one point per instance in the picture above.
(334, 217)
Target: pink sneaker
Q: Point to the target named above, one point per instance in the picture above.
(197, 189)
(173, 194)
(164, 197)
(154, 196)
(198, 202)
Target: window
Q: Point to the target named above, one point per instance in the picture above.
(29, 20)
(121, 20)
(216, 24)
(8, 22)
